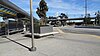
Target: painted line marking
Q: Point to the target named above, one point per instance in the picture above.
(92, 35)
(79, 34)
(60, 31)
(88, 35)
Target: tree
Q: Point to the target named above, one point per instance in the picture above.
(97, 17)
(41, 11)
(87, 19)
(63, 16)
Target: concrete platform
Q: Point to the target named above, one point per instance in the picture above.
(43, 34)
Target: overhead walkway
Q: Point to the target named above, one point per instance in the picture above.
(12, 7)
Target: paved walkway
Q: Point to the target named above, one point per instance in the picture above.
(63, 44)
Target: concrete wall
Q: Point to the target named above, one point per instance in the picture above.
(46, 29)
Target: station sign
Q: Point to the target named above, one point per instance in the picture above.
(7, 10)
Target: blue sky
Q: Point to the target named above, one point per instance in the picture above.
(74, 8)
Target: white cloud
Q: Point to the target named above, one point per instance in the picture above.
(96, 0)
(56, 0)
(58, 6)
(65, 6)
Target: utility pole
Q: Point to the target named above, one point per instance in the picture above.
(85, 7)
(85, 12)
(33, 48)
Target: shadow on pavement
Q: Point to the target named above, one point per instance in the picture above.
(10, 41)
(29, 36)
(16, 42)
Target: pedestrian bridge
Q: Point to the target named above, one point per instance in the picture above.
(10, 10)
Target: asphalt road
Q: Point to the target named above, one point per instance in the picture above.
(81, 30)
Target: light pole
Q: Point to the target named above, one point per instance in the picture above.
(33, 48)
